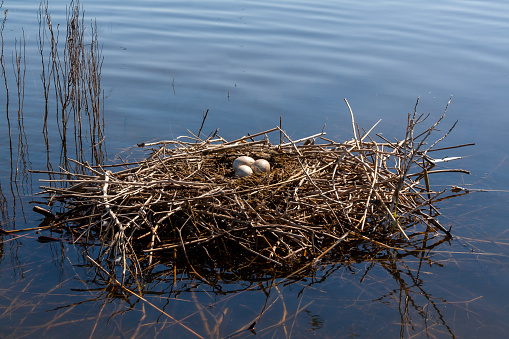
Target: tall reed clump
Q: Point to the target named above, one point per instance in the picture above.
(73, 73)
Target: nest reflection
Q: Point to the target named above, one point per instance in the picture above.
(213, 306)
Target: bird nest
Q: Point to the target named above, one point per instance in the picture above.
(183, 204)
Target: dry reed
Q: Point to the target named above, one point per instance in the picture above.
(73, 69)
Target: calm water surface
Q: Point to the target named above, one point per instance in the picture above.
(250, 62)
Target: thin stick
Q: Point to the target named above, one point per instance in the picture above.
(353, 124)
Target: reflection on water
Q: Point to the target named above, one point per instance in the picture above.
(388, 284)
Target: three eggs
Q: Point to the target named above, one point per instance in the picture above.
(245, 166)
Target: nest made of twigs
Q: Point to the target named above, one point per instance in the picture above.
(184, 199)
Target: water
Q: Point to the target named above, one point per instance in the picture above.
(250, 62)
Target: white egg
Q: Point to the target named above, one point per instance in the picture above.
(243, 171)
(243, 160)
(261, 166)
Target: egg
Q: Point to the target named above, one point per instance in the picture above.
(261, 166)
(243, 171)
(243, 160)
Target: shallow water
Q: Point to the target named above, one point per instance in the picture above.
(250, 62)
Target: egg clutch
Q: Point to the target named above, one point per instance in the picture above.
(244, 166)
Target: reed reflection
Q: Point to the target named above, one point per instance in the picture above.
(18, 157)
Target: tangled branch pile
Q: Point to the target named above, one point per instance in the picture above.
(184, 199)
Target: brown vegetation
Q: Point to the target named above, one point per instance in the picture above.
(183, 203)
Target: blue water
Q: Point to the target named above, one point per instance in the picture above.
(250, 62)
